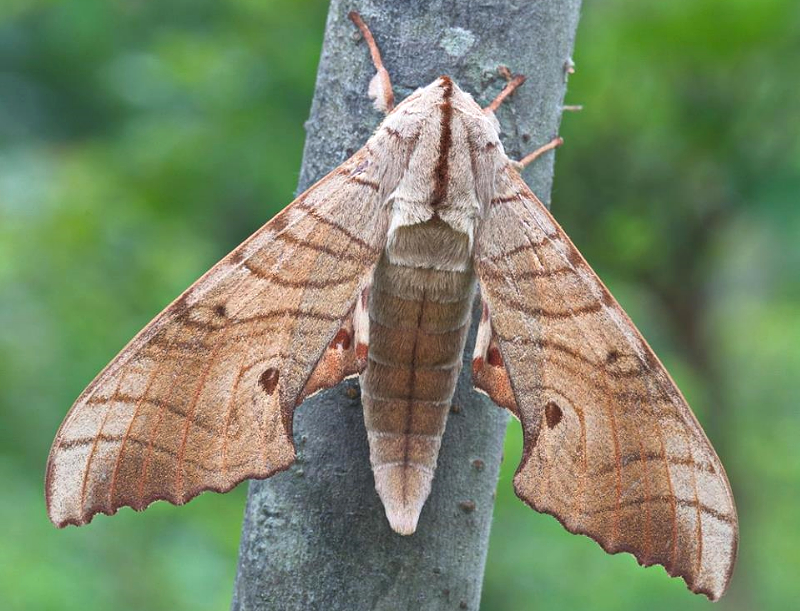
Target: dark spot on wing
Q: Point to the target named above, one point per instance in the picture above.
(341, 340)
(494, 357)
(552, 414)
(269, 380)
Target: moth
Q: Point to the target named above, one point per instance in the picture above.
(373, 271)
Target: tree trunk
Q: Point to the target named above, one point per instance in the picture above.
(315, 536)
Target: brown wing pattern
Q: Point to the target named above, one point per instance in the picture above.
(204, 396)
(611, 449)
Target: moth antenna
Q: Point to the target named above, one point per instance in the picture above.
(510, 87)
(380, 87)
(531, 157)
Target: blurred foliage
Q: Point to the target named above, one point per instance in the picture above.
(140, 142)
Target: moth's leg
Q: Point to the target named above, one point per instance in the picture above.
(380, 87)
(511, 86)
(569, 68)
(531, 157)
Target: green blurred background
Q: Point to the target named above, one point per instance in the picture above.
(141, 141)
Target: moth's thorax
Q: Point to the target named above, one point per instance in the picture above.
(452, 154)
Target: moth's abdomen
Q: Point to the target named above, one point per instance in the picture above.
(419, 318)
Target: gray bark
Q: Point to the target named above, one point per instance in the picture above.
(316, 535)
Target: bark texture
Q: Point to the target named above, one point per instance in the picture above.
(315, 536)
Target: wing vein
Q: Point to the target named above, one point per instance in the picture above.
(228, 412)
(117, 460)
(87, 469)
(189, 417)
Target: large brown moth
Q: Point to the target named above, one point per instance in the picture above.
(373, 271)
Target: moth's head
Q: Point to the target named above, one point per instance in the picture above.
(449, 92)
(444, 94)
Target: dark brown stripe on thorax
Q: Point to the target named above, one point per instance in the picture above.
(441, 172)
